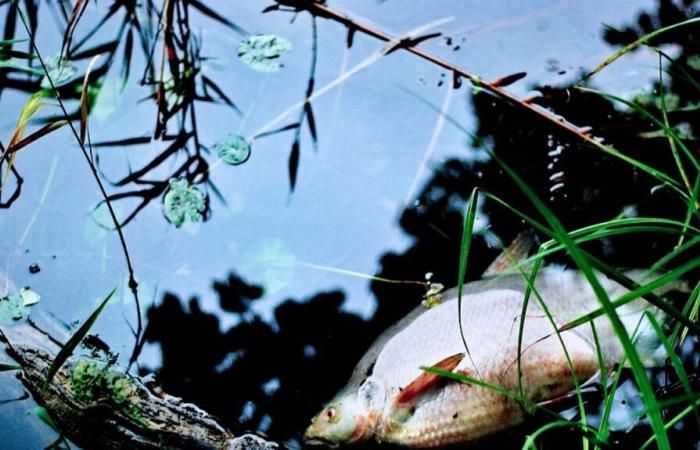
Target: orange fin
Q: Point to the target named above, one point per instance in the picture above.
(427, 380)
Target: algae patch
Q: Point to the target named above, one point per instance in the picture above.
(182, 202)
(94, 381)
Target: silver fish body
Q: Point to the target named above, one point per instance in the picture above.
(390, 398)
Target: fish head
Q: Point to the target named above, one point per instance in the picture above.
(351, 417)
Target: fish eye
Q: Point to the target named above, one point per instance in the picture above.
(332, 415)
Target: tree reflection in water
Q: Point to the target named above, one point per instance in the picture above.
(273, 378)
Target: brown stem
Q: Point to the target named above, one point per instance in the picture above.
(321, 10)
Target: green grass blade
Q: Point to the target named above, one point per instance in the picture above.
(670, 132)
(531, 288)
(583, 263)
(74, 340)
(691, 306)
(673, 359)
(9, 367)
(465, 245)
(642, 40)
(672, 137)
(530, 444)
(673, 421)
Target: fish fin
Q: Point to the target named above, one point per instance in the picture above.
(427, 380)
(518, 250)
(587, 392)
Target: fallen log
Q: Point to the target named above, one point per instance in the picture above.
(95, 405)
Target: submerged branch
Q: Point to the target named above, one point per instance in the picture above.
(145, 420)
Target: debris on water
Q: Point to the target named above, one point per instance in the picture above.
(233, 149)
(183, 201)
(262, 52)
(15, 307)
(34, 268)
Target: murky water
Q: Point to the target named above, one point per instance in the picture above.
(259, 312)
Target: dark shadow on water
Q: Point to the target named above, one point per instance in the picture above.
(274, 378)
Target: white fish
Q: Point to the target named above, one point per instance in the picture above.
(391, 399)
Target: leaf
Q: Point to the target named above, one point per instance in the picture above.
(60, 72)
(204, 9)
(74, 340)
(84, 100)
(291, 126)
(456, 80)
(128, 49)
(11, 64)
(183, 201)
(293, 165)
(351, 36)
(9, 42)
(312, 122)
(209, 83)
(233, 149)
(467, 232)
(33, 105)
(508, 80)
(77, 12)
(9, 367)
(636, 44)
(15, 307)
(53, 126)
(262, 52)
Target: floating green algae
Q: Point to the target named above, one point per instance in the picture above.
(262, 52)
(94, 381)
(182, 202)
(233, 149)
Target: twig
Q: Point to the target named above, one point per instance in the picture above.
(133, 284)
(320, 10)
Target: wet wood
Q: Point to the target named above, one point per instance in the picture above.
(163, 421)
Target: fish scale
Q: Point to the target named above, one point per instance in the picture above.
(390, 398)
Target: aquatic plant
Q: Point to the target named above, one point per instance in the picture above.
(182, 202)
(566, 221)
(94, 381)
(233, 149)
(263, 51)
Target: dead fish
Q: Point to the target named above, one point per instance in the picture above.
(389, 398)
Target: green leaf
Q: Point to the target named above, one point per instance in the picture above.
(262, 52)
(233, 149)
(74, 340)
(637, 43)
(467, 231)
(9, 367)
(183, 201)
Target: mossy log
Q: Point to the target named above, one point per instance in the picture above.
(152, 420)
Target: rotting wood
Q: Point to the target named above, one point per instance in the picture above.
(155, 420)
